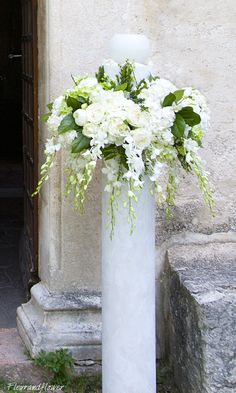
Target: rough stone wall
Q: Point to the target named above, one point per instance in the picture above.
(199, 312)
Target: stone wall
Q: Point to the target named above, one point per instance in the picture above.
(199, 310)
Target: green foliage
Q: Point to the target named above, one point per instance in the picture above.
(113, 151)
(101, 75)
(121, 87)
(49, 106)
(67, 124)
(173, 97)
(60, 363)
(168, 100)
(5, 387)
(46, 116)
(127, 76)
(178, 127)
(81, 143)
(105, 80)
(44, 173)
(190, 117)
(196, 133)
(204, 185)
(88, 384)
(74, 103)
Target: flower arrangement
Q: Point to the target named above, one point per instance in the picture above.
(141, 129)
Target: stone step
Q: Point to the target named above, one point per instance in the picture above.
(15, 364)
(200, 316)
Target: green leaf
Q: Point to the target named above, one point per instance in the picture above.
(73, 103)
(168, 100)
(109, 152)
(100, 75)
(178, 94)
(67, 124)
(46, 116)
(121, 87)
(190, 117)
(49, 106)
(181, 150)
(178, 127)
(81, 143)
(113, 151)
(123, 157)
(82, 100)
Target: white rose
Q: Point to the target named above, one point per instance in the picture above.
(95, 113)
(80, 117)
(90, 130)
(135, 116)
(142, 137)
(117, 131)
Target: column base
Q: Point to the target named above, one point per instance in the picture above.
(50, 321)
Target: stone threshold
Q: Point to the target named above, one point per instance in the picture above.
(17, 366)
(15, 363)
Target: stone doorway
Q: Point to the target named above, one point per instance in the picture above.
(17, 179)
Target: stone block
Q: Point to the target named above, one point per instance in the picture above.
(200, 316)
(50, 321)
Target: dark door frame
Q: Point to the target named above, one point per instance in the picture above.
(29, 253)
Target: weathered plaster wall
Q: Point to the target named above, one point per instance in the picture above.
(73, 38)
(193, 44)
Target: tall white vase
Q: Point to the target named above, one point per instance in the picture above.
(128, 298)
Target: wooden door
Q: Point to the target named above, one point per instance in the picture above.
(30, 139)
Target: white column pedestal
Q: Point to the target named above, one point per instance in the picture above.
(128, 299)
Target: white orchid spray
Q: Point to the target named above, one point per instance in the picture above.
(138, 129)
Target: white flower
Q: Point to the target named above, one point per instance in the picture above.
(156, 172)
(190, 145)
(156, 93)
(142, 137)
(87, 82)
(90, 130)
(167, 137)
(155, 153)
(67, 138)
(51, 147)
(57, 104)
(95, 113)
(54, 121)
(80, 116)
(188, 158)
(108, 188)
(117, 131)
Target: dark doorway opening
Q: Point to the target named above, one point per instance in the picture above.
(12, 291)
